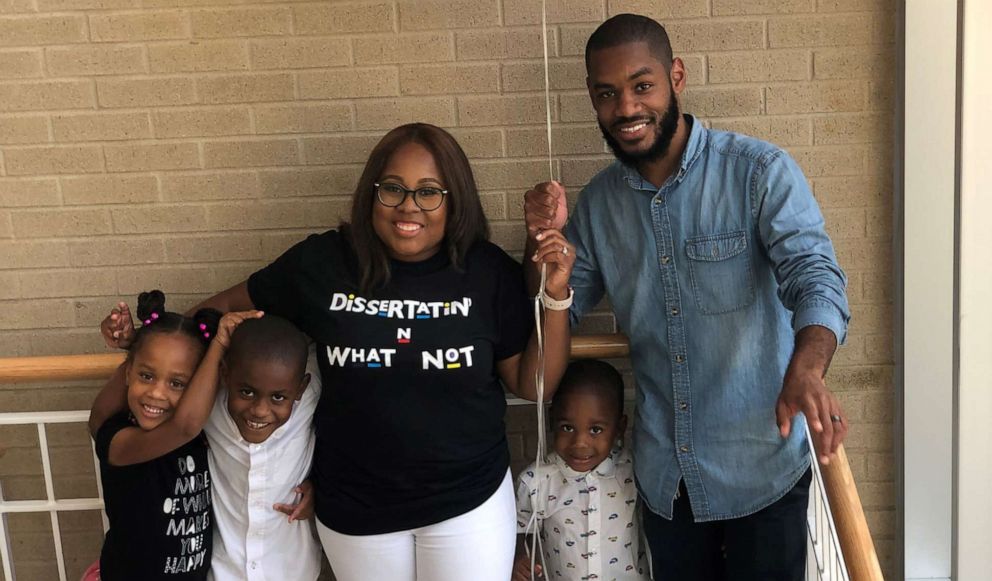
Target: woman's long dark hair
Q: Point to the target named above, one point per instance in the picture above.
(466, 222)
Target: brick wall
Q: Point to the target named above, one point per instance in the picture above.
(181, 144)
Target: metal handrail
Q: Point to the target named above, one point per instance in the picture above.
(841, 494)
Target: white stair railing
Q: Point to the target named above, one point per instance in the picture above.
(51, 505)
(824, 558)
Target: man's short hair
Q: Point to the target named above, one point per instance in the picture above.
(629, 28)
(585, 375)
(269, 338)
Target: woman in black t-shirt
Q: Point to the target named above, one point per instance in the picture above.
(417, 319)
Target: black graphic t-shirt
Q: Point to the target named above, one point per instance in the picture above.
(410, 423)
(159, 512)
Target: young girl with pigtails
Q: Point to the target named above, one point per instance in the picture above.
(153, 460)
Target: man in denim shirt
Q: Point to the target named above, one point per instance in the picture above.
(713, 253)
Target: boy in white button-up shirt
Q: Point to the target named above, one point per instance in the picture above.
(261, 441)
(584, 501)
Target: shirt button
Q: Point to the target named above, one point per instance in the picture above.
(666, 259)
(253, 565)
(684, 448)
(679, 358)
(675, 312)
(683, 406)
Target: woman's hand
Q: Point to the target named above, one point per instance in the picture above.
(521, 568)
(303, 508)
(555, 250)
(118, 327)
(230, 322)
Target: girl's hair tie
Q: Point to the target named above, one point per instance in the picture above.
(151, 318)
(206, 335)
(203, 326)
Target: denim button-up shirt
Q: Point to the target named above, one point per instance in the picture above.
(710, 276)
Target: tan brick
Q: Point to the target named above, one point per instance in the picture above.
(388, 113)
(502, 110)
(428, 14)
(853, 5)
(819, 97)
(68, 283)
(756, 67)
(338, 149)
(479, 143)
(502, 44)
(182, 279)
(660, 11)
(302, 118)
(350, 83)
(52, 223)
(719, 102)
(147, 25)
(880, 223)
(853, 128)
(228, 22)
(116, 251)
(574, 39)
(834, 30)
(199, 56)
(449, 79)
(246, 88)
(201, 122)
(778, 130)
(73, 5)
(582, 139)
(101, 126)
(220, 248)
(745, 7)
(10, 288)
(153, 92)
(576, 107)
(53, 160)
(517, 12)
(37, 314)
(578, 172)
(259, 153)
(152, 157)
(832, 161)
(325, 18)
(95, 60)
(27, 129)
(494, 205)
(42, 30)
(335, 181)
(46, 95)
(159, 218)
(563, 75)
(209, 186)
(33, 254)
(845, 222)
(16, 6)
(844, 192)
(18, 193)
(504, 174)
(509, 236)
(109, 189)
(424, 47)
(283, 214)
(20, 64)
(6, 227)
(716, 35)
(300, 53)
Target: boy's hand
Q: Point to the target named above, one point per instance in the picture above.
(521, 569)
(118, 328)
(230, 322)
(303, 509)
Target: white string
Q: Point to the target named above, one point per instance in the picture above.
(533, 527)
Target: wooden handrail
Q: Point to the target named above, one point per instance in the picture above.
(845, 503)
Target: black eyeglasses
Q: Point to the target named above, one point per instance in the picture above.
(392, 195)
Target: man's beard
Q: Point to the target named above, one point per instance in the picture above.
(664, 131)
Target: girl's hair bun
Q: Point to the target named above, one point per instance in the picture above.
(207, 321)
(150, 302)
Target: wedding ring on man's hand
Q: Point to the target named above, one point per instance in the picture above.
(836, 419)
(564, 250)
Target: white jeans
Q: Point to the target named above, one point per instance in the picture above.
(475, 546)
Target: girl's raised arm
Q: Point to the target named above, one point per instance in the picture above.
(134, 445)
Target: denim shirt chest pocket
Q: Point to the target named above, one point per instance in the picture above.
(721, 272)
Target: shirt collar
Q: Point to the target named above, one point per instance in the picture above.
(693, 147)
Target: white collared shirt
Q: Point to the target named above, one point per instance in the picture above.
(252, 540)
(590, 527)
